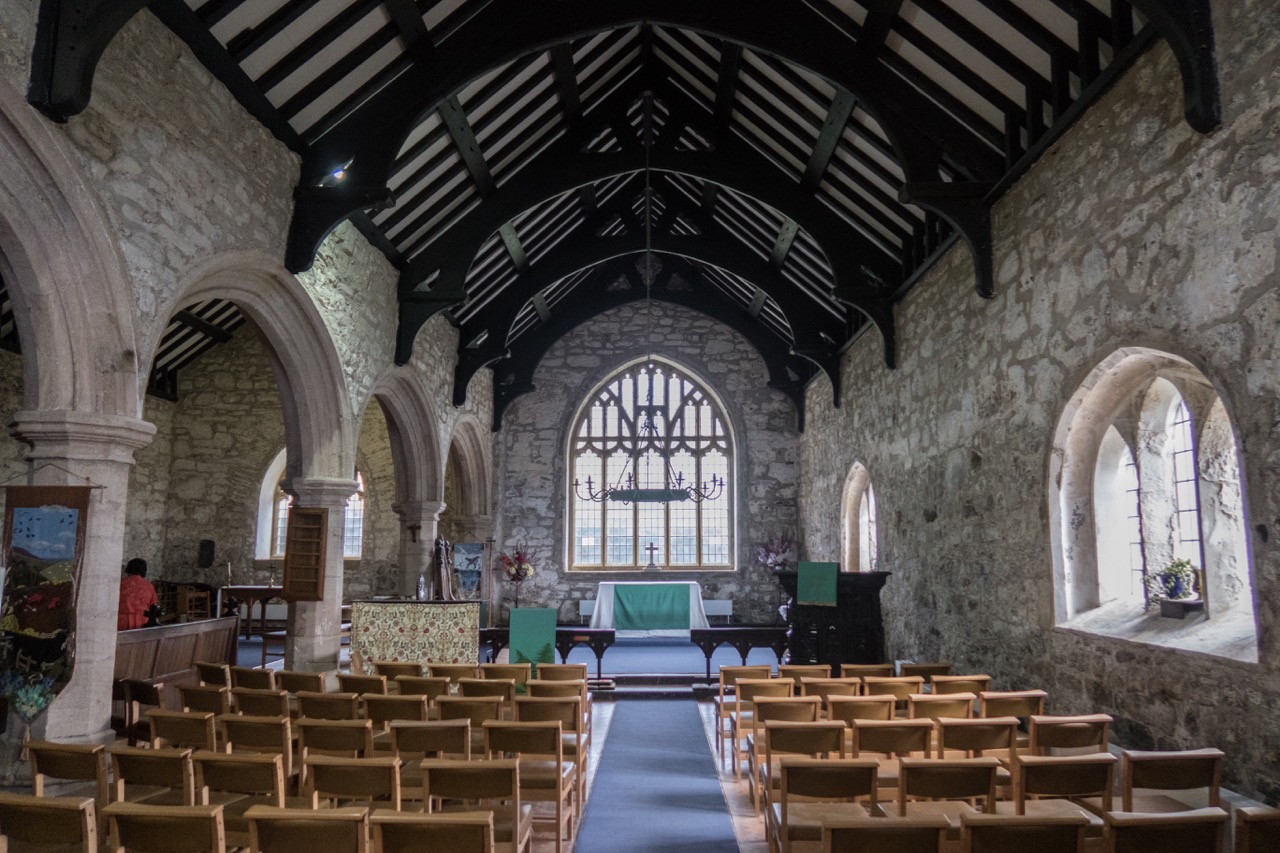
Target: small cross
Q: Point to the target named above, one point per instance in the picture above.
(652, 549)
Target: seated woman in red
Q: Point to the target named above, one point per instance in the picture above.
(137, 596)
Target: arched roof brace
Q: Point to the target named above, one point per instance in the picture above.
(1187, 25)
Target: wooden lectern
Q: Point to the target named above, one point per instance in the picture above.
(850, 632)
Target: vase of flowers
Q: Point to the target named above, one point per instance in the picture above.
(777, 551)
(517, 567)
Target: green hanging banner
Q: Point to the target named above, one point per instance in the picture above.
(816, 583)
(533, 636)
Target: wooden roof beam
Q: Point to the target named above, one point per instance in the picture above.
(464, 139)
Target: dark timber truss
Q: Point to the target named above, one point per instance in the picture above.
(808, 159)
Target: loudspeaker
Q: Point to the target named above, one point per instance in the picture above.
(204, 559)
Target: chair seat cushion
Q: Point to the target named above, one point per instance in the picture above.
(548, 774)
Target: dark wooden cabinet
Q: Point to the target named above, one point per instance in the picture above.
(850, 632)
(304, 554)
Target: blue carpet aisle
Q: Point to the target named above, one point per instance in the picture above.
(656, 789)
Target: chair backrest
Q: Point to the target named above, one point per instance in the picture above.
(924, 669)
(830, 687)
(208, 698)
(165, 768)
(137, 693)
(797, 671)
(328, 706)
(456, 832)
(562, 672)
(478, 781)
(477, 709)
(49, 820)
(862, 670)
(422, 685)
(927, 706)
(381, 710)
(392, 668)
(892, 737)
(505, 688)
(1063, 776)
(1011, 703)
(787, 709)
(1197, 831)
(374, 779)
(192, 729)
(352, 683)
(821, 739)
(1080, 731)
(453, 671)
(556, 687)
(503, 739)
(260, 703)
(832, 779)
(566, 709)
(342, 830)
(166, 829)
(294, 681)
(947, 779)
(997, 833)
(731, 675)
(898, 687)
(850, 708)
(977, 736)
(517, 672)
(747, 690)
(1181, 770)
(239, 774)
(431, 739)
(340, 738)
(975, 684)
(216, 674)
(1257, 829)
(880, 835)
(63, 761)
(269, 735)
(253, 678)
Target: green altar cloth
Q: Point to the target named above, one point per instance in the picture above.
(651, 606)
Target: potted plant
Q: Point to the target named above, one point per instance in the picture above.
(1171, 585)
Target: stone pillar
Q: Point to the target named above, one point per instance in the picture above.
(313, 640)
(98, 448)
(418, 524)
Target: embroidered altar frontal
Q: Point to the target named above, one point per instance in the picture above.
(417, 631)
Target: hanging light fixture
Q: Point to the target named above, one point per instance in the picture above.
(627, 490)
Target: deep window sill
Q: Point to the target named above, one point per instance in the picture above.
(1231, 634)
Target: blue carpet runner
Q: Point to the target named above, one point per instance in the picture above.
(656, 789)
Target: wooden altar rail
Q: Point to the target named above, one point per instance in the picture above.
(742, 638)
(567, 637)
(167, 654)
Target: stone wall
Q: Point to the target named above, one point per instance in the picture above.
(533, 443)
(146, 514)
(377, 571)
(1133, 230)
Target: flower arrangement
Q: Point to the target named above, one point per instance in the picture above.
(518, 565)
(778, 551)
(28, 696)
(1175, 581)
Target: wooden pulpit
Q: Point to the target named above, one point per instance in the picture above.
(850, 632)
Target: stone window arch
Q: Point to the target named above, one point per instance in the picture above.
(1145, 468)
(859, 532)
(608, 442)
(273, 514)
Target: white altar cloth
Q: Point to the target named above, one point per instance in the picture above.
(602, 616)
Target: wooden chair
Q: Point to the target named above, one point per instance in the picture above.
(1078, 733)
(212, 673)
(429, 686)
(262, 735)
(456, 832)
(996, 833)
(774, 709)
(260, 703)
(825, 687)
(517, 672)
(945, 788)
(166, 829)
(341, 781)
(1257, 829)
(881, 835)
(328, 706)
(545, 776)
(813, 791)
(48, 823)
(850, 708)
(564, 688)
(923, 669)
(899, 687)
(272, 830)
(561, 672)
(724, 700)
(393, 668)
(205, 698)
(488, 783)
(334, 738)
(577, 742)
(453, 671)
(821, 739)
(1195, 770)
(993, 737)
(975, 684)
(136, 694)
(1198, 831)
(381, 710)
(190, 729)
(293, 681)
(360, 684)
(889, 741)
(253, 678)
(504, 688)
(927, 706)
(411, 742)
(861, 670)
(798, 671)
(746, 691)
(62, 762)
(238, 783)
(154, 776)
(1063, 785)
(1011, 703)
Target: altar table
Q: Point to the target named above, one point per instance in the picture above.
(649, 609)
(250, 594)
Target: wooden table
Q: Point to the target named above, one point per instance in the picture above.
(250, 594)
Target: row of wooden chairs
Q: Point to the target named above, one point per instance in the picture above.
(384, 675)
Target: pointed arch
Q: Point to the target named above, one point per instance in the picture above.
(859, 536)
(415, 443)
(470, 451)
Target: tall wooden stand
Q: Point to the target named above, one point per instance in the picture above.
(850, 632)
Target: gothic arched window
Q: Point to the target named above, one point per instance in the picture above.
(654, 426)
